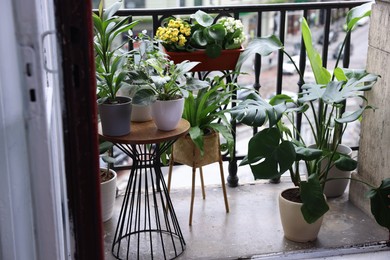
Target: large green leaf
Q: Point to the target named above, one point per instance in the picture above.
(110, 11)
(197, 137)
(311, 92)
(268, 155)
(226, 133)
(105, 146)
(348, 116)
(144, 96)
(216, 31)
(256, 112)
(380, 203)
(263, 46)
(345, 163)
(338, 91)
(321, 74)
(195, 84)
(198, 39)
(357, 13)
(314, 203)
(203, 18)
(307, 154)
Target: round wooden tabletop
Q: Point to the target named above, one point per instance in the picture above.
(147, 133)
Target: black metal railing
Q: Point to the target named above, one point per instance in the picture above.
(325, 13)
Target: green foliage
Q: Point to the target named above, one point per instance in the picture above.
(154, 76)
(275, 150)
(204, 110)
(380, 203)
(110, 61)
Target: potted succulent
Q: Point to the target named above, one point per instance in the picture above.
(165, 85)
(215, 44)
(108, 180)
(110, 62)
(276, 149)
(205, 111)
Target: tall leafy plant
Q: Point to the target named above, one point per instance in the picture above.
(110, 60)
(276, 149)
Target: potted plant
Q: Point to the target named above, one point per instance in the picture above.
(276, 149)
(110, 62)
(205, 111)
(108, 180)
(215, 44)
(165, 84)
(139, 73)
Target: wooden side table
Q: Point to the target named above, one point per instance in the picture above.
(147, 226)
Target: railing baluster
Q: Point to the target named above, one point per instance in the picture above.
(282, 29)
(257, 65)
(302, 66)
(326, 42)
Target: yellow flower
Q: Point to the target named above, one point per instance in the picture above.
(182, 40)
(175, 32)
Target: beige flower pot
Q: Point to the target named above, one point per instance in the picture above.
(185, 151)
(294, 225)
(141, 113)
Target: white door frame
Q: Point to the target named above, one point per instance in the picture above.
(33, 204)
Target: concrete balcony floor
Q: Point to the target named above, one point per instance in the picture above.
(252, 229)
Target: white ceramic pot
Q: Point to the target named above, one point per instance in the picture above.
(108, 193)
(167, 113)
(141, 113)
(336, 188)
(294, 225)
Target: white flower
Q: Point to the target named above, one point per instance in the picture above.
(144, 32)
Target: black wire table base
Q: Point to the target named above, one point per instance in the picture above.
(147, 227)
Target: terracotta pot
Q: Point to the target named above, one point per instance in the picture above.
(186, 152)
(226, 61)
(115, 118)
(294, 225)
(166, 114)
(108, 192)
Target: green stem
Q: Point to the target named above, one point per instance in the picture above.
(296, 68)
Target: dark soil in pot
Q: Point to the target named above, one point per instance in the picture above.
(292, 195)
(105, 175)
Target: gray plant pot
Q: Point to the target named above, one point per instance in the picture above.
(115, 118)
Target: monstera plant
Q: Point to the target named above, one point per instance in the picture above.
(279, 147)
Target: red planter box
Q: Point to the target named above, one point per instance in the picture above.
(226, 61)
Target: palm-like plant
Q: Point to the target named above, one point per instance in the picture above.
(110, 61)
(205, 112)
